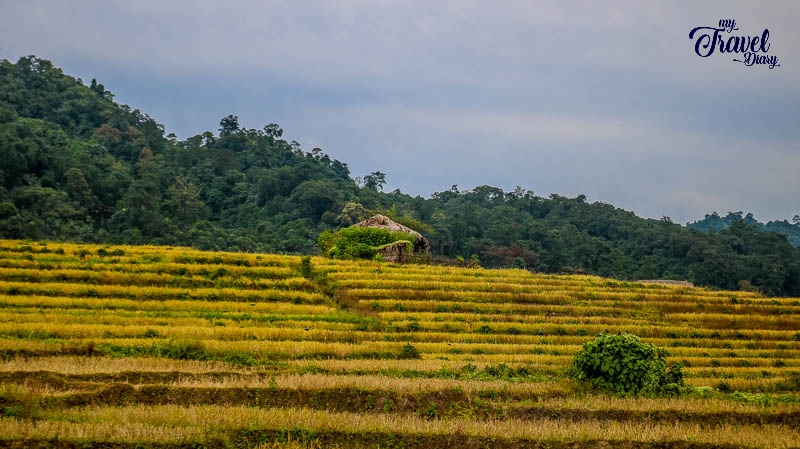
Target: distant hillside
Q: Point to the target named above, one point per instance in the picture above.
(77, 166)
(715, 223)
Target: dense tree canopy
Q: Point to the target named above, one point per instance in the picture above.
(714, 223)
(78, 166)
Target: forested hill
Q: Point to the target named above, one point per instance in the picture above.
(77, 166)
(715, 223)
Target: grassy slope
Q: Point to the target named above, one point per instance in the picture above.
(172, 347)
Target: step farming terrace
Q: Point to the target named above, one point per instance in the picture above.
(123, 346)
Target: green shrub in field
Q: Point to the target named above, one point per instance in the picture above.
(241, 358)
(624, 365)
(151, 333)
(409, 352)
(305, 266)
(360, 243)
(182, 350)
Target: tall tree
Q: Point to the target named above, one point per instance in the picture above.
(375, 180)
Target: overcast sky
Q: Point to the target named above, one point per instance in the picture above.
(606, 99)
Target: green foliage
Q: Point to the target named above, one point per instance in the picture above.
(326, 241)
(352, 213)
(359, 242)
(489, 372)
(714, 223)
(474, 262)
(15, 402)
(241, 358)
(429, 412)
(408, 351)
(762, 399)
(77, 166)
(625, 366)
(11, 411)
(182, 350)
(305, 266)
(151, 333)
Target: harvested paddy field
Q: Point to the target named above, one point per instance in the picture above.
(123, 346)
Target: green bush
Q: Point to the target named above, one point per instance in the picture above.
(182, 350)
(305, 266)
(151, 333)
(409, 352)
(241, 358)
(624, 365)
(358, 242)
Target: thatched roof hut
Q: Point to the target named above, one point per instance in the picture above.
(396, 252)
(422, 245)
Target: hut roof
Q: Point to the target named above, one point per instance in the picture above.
(384, 222)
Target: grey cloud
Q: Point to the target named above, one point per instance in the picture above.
(606, 99)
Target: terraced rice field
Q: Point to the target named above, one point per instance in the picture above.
(171, 347)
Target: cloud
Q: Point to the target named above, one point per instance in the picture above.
(606, 99)
(646, 164)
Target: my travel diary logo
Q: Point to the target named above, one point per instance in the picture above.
(749, 50)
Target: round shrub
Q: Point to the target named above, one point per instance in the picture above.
(623, 365)
(409, 352)
(360, 243)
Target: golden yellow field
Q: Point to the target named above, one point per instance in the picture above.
(123, 346)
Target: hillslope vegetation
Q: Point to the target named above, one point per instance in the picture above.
(132, 346)
(714, 223)
(76, 166)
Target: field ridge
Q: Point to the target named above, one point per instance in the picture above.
(114, 346)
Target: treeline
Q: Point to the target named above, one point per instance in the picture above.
(715, 223)
(77, 166)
